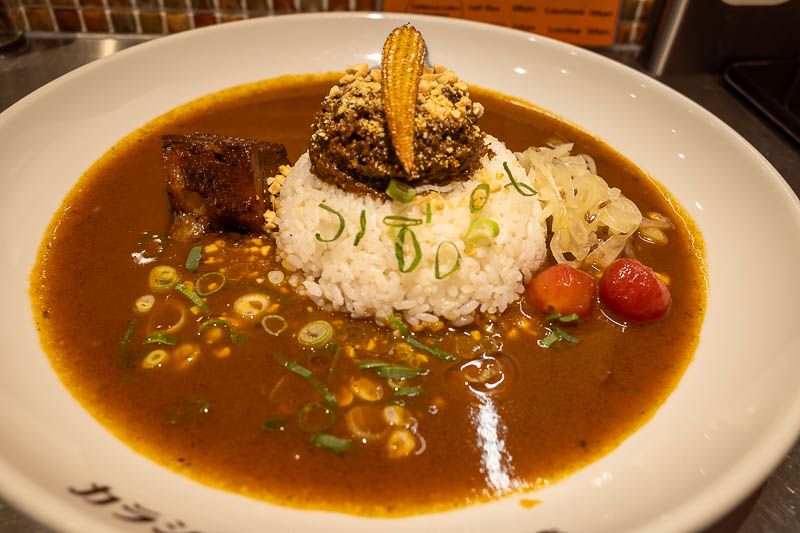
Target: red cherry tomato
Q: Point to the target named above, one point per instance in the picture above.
(562, 289)
(633, 291)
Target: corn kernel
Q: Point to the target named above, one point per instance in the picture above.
(475, 334)
(210, 248)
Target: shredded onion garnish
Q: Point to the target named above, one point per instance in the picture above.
(591, 222)
(441, 354)
(314, 417)
(145, 303)
(341, 224)
(193, 297)
(428, 215)
(162, 277)
(329, 442)
(155, 358)
(276, 277)
(312, 379)
(161, 338)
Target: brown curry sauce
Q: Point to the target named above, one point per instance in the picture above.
(561, 409)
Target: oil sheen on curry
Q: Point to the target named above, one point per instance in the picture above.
(382, 292)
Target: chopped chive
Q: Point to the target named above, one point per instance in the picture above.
(476, 204)
(193, 297)
(455, 266)
(398, 250)
(185, 412)
(161, 338)
(441, 354)
(518, 186)
(408, 391)
(306, 412)
(428, 214)
(481, 232)
(193, 260)
(329, 442)
(397, 221)
(398, 372)
(401, 192)
(570, 318)
(363, 230)
(567, 337)
(208, 275)
(312, 379)
(341, 224)
(372, 364)
(271, 331)
(315, 333)
(274, 424)
(125, 340)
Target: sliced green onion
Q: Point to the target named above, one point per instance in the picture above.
(125, 340)
(219, 322)
(552, 316)
(428, 214)
(274, 424)
(329, 442)
(397, 221)
(315, 333)
(363, 222)
(212, 286)
(557, 335)
(276, 277)
(548, 341)
(398, 372)
(145, 303)
(476, 204)
(341, 224)
(519, 186)
(193, 297)
(307, 411)
(312, 379)
(481, 232)
(155, 358)
(398, 250)
(441, 354)
(162, 277)
(401, 192)
(283, 299)
(274, 332)
(161, 338)
(570, 318)
(372, 364)
(186, 412)
(408, 391)
(565, 336)
(336, 349)
(455, 266)
(193, 260)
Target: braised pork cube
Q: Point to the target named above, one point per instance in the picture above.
(218, 183)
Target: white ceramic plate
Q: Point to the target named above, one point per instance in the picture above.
(733, 416)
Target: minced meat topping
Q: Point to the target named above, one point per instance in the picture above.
(351, 146)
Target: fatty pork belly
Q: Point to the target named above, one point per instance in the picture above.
(218, 183)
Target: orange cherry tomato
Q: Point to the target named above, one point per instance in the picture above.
(633, 291)
(562, 289)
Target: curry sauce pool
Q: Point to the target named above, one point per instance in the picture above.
(558, 410)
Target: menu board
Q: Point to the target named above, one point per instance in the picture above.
(581, 22)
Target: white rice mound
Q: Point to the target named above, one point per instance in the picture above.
(365, 280)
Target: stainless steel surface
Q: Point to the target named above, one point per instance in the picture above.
(773, 507)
